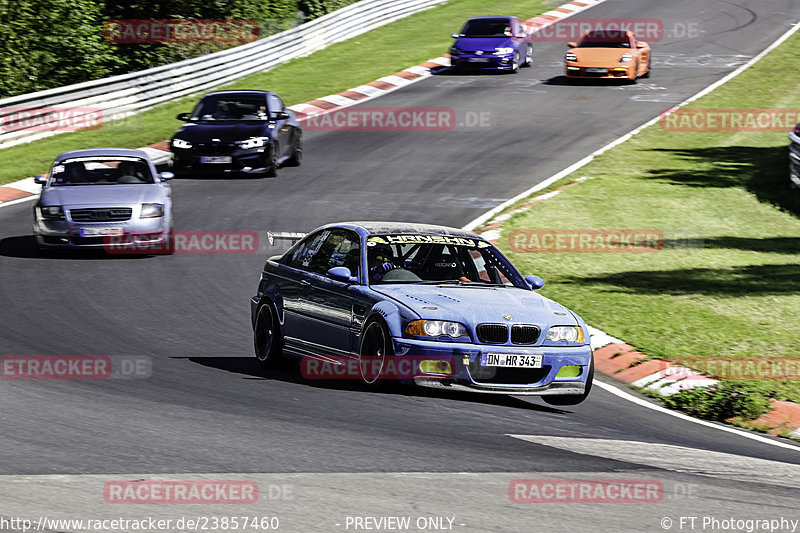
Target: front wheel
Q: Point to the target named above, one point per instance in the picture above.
(266, 339)
(375, 353)
(574, 399)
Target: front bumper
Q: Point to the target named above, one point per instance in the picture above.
(252, 161)
(65, 234)
(483, 62)
(615, 72)
(469, 375)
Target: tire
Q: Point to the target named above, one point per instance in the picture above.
(574, 399)
(272, 163)
(376, 342)
(528, 57)
(649, 67)
(266, 337)
(515, 65)
(297, 155)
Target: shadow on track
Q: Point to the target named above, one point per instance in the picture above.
(24, 247)
(288, 372)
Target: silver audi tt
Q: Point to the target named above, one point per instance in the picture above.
(105, 198)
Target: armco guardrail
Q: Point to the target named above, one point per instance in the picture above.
(120, 96)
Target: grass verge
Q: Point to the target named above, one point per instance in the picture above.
(727, 283)
(341, 66)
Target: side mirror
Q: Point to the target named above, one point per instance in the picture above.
(572, 44)
(280, 115)
(41, 179)
(535, 282)
(342, 274)
(456, 35)
(166, 175)
(184, 116)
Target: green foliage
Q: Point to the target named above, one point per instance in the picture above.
(317, 8)
(728, 399)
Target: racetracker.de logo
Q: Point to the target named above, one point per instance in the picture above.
(586, 491)
(604, 29)
(183, 242)
(585, 241)
(384, 119)
(137, 31)
(50, 118)
(372, 366)
(687, 119)
(180, 492)
(75, 367)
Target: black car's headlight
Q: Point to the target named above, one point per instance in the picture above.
(152, 211)
(253, 142)
(503, 51)
(51, 212)
(181, 144)
(436, 328)
(572, 334)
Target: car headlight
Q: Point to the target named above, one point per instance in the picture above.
(152, 211)
(436, 328)
(625, 58)
(253, 142)
(455, 51)
(565, 333)
(51, 212)
(180, 143)
(570, 57)
(504, 51)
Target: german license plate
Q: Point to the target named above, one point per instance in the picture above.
(100, 232)
(479, 59)
(216, 159)
(596, 70)
(512, 359)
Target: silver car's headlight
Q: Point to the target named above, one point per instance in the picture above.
(51, 212)
(572, 334)
(152, 211)
(504, 51)
(436, 328)
(253, 142)
(180, 143)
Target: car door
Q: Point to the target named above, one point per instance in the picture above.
(327, 304)
(283, 130)
(294, 276)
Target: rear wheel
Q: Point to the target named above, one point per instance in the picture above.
(375, 353)
(528, 57)
(297, 155)
(266, 339)
(649, 68)
(515, 64)
(574, 399)
(272, 161)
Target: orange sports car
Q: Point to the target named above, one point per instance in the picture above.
(614, 54)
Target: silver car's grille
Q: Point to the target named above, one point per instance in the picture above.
(101, 214)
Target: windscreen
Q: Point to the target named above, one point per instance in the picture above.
(487, 28)
(101, 171)
(605, 39)
(231, 107)
(438, 259)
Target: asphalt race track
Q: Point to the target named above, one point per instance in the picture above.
(208, 412)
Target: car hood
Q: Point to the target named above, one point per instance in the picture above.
(474, 305)
(600, 55)
(470, 44)
(103, 195)
(224, 131)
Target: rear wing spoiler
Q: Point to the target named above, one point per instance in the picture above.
(285, 236)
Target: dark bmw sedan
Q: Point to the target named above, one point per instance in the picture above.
(237, 132)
